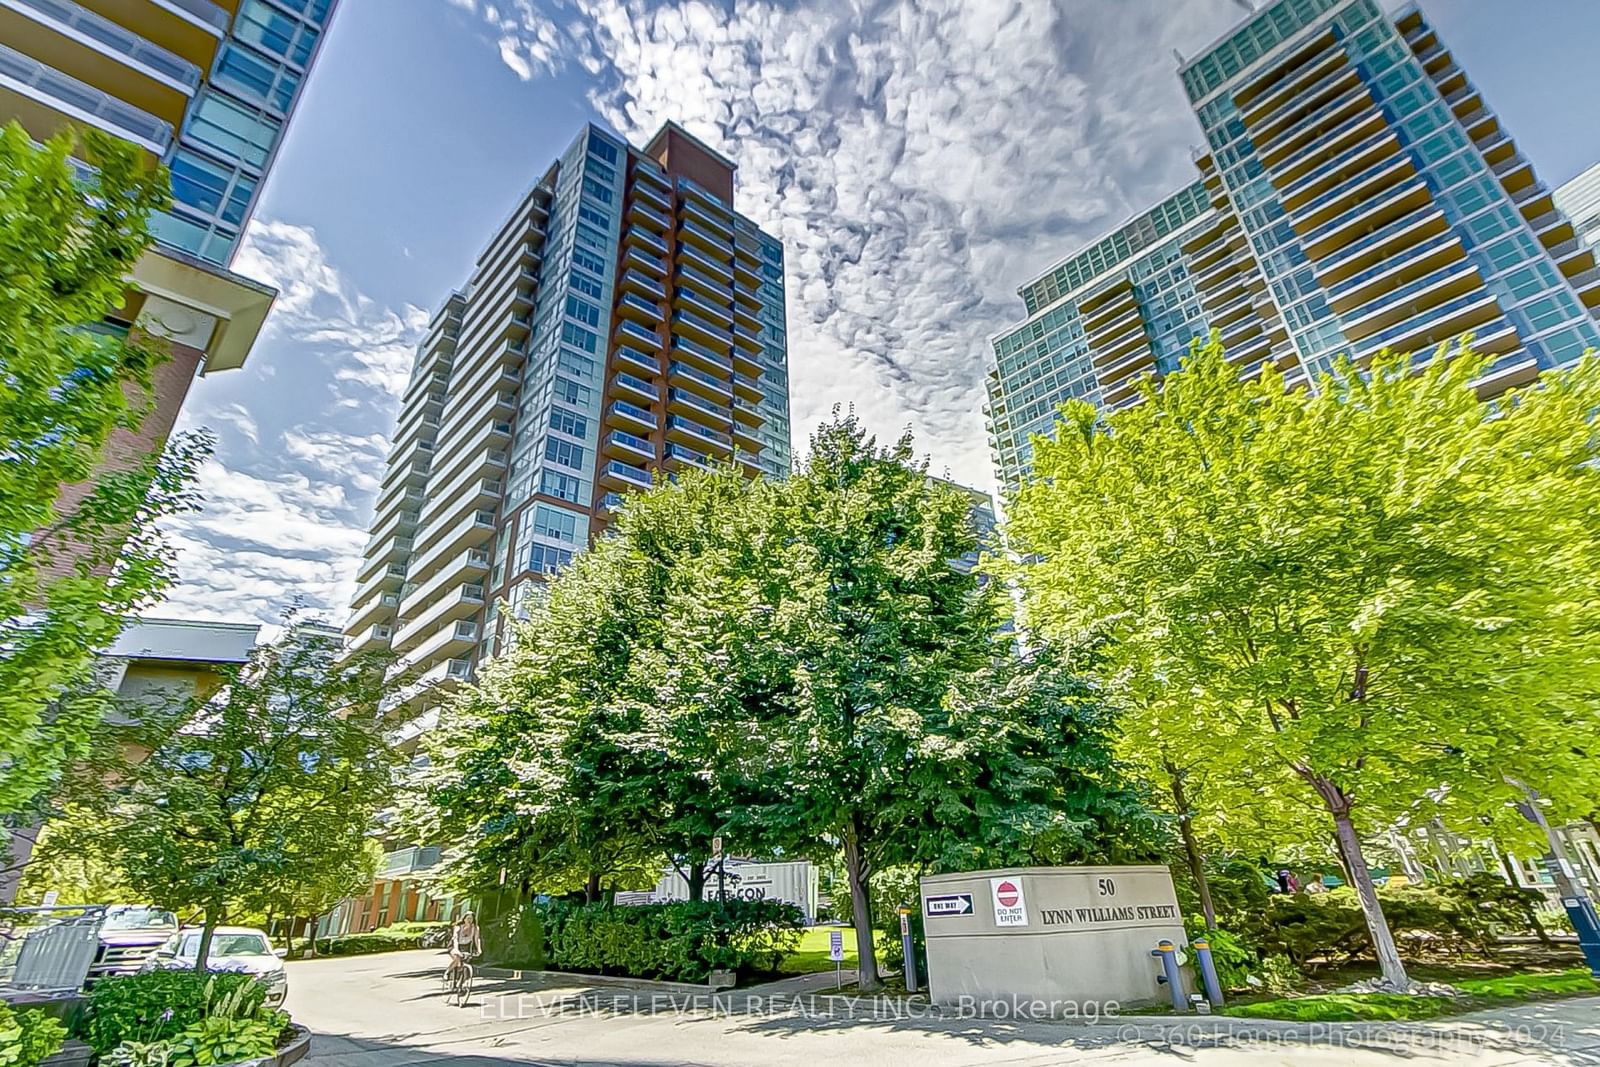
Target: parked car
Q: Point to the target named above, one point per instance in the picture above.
(128, 935)
(234, 949)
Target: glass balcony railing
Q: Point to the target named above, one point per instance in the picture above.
(701, 352)
(59, 89)
(632, 441)
(638, 257)
(698, 257)
(687, 455)
(1421, 321)
(1413, 252)
(1461, 268)
(638, 333)
(710, 329)
(1324, 230)
(676, 368)
(644, 237)
(677, 422)
(705, 307)
(634, 412)
(1349, 185)
(1376, 237)
(638, 385)
(688, 227)
(629, 473)
(640, 304)
(645, 283)
(83, 23)
(705, 407)
(693, 210)
(641, 361)
(718, 286)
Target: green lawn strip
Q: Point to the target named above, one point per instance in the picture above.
(1480, 993)
(812, 955)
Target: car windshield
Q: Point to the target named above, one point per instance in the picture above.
(227, 945)
(138, 919)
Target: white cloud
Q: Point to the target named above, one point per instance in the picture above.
(919, 158)
(285, 518)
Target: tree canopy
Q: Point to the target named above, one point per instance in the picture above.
(1375, 595)
(69, 579)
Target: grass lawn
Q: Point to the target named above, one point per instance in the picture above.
(813, 952)
(1480, 993)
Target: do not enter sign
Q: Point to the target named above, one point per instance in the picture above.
(1010, 909)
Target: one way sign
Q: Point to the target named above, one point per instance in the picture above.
(949, 904)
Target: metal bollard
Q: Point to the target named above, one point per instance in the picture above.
(1172, 976)
(907, 949)
(1208, 971)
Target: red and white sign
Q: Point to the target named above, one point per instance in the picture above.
(1010, 909)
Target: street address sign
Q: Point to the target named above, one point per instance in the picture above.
(948, 904)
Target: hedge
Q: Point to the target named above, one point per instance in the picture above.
(681, 941)
(384, 939)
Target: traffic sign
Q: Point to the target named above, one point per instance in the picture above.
(1009, 907)
(948, 904)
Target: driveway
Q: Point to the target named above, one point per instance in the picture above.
(388, 1011)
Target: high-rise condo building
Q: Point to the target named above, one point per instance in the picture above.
(1356, 193)
(623, 320)
(206, 88)
(1579, 200)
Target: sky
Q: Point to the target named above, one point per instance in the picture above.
(920, 160)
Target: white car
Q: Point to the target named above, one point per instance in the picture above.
(234, 949)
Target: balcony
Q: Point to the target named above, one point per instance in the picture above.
(375, 609)
(388, 580)
(681, 400)
(1361, 188)
(713, 289)
(699, 329)
(702, 196)
(700, 356)
(393, 550)
(745, 440)
(110, 40)
(678, 455)
(629, 446)
(1395, 302)
(370, 639)
(643, 284)
(688, 431)
(691, 232)
(687, 377)
(637, 308)
(694, 257)
(644, 214)
(456, 604)
(635, 389)
(631, 416)
(639, 259)
(747, 412)
(624, 475)
(650, 193)
(639, 362)
(451, 642)
(460, 569)
(746, 274)
(69, 96)
(632, 331)
(748, 387)
(1407, 263)
(1379, 244)
(720, 314)
(1427, 328)
(694, 211)
(746, 316)
(1395, 201)
(746, 338)
(406, 861)
(471, 532)
(639, 237)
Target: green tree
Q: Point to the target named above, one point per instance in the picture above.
(1376, 594)
(67, 382)
(897, 725)
(242, 794)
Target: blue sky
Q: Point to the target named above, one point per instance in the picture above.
(919, 158)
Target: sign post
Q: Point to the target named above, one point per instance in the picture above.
(836, 954)
(716, 854)
(907, 949)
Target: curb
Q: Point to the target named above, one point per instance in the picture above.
(506, 973)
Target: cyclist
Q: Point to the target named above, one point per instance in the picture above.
(465, 943)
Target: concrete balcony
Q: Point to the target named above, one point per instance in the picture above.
(713, 289)
(628, 447)
(635, 390)
(701, 330)
(653, 195)
(379, 606)
(643, 284)
(619, 475)
(376, 636)
(720, 314)
(458, 603)
(464, 567)
(630, 416)
(449, 643)
(1394, 303)
(678, 456)
(650, 218)
(639, 237)
(471, 490)
(701, 357)
(703, 237)
(388, 580)
(635, 307)
(690, 431)
(473, 531)
(682, 377)
(395, 549)
(703, 198)
(709, 265)
(719, 225)
(748, 387)
(747, 413)
(634, 361)
(745, 439)
(638, 259)
(631, 331)
(747, 339)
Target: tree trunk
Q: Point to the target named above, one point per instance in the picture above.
(697, 879)
(859, 872)
(213, 916)
(591, 888)
(1191, 848)
(311, 936)
(1383, 945)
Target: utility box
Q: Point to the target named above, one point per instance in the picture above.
(1051, 941)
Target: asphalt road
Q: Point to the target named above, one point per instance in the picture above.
(389, 1011)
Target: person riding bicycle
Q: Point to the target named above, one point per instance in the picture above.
(465, 940)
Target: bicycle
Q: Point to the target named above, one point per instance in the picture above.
(458, 981)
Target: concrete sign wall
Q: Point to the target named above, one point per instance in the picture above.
(1061, 935)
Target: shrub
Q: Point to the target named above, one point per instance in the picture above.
(158, 1005)
(1235, 959)
(516, 939)
(680, 941)
(383, 939)
(1280, 976)
(221, 1039)
(27, 1036)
